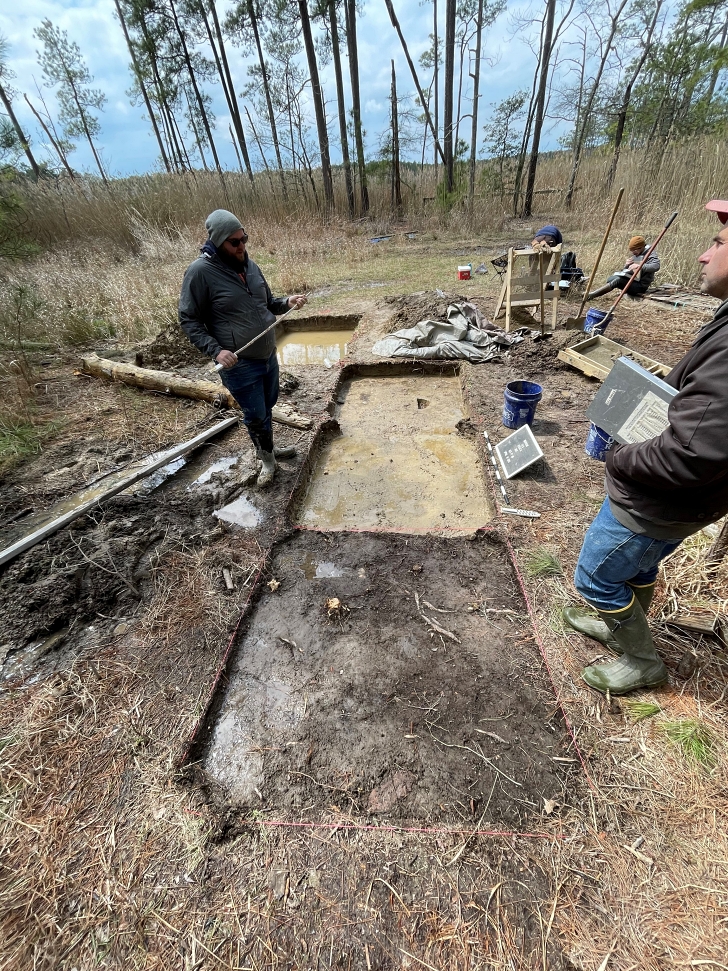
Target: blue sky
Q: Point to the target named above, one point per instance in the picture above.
(126, 138)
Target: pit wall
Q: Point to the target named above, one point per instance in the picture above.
(193, 749)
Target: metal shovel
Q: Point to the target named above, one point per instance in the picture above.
(574, 323)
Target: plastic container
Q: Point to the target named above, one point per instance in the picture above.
(519, 405)
(464, 272)
(596, 322)
(598, 443)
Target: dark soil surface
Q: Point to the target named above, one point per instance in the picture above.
(397, 676)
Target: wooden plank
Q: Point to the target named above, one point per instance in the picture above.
(97, 494)
(581, 363)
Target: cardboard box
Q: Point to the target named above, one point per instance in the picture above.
(463, 273)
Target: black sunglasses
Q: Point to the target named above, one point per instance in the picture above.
(239, 241)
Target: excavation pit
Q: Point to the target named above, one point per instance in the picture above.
(397, 460)
(315, 340)
(400, 678)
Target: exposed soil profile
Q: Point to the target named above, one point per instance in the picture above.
(399, 460)
(393, 675)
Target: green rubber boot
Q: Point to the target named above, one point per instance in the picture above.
(589, 625)
(639, 666)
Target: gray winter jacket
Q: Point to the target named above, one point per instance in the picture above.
(647, 274)
(220, 309)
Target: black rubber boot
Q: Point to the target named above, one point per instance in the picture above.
(639, 666)
(586, 623)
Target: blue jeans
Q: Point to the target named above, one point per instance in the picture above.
(613, 556)
(254, 385)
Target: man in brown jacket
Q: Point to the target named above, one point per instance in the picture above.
(658, 493)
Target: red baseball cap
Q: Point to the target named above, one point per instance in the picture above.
(720, 208)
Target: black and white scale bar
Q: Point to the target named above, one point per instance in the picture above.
(496, 469)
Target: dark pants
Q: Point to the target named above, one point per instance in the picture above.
(254, 385)
(636, 288)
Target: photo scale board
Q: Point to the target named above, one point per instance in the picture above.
(518, 451)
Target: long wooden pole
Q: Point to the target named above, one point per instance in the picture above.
(89, 498)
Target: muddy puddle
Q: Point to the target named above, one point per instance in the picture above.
(399, 461)
(389, 674)
(326, 347)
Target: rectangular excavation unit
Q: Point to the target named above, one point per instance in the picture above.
(399, 460)
(391, 675)
(314, 340)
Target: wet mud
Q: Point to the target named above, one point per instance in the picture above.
(391, 675)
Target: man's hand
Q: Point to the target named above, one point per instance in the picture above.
(297, 301)
(227, 359)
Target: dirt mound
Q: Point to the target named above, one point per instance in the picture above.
(414, 307)
(171, 349)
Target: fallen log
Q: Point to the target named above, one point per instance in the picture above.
(166, 383)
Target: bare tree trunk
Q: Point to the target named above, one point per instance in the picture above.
(474, 127)
(521, 164)
(19, 132)
(61, 154)
(260, 148)
(164, 108)
(195, 130)
(448, 159)
(716, 70)
(624, 107)
(198, 95)
(437, 88)
(540, 103)
(266, 91)
(586, 114)
(318, 104)
(396, 196)
(415, 78)
(350, 11)
(336, 52)
(142, 86)
(227, 82)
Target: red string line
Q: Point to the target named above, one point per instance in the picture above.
(371, 827)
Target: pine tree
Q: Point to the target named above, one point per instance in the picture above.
(64, 66)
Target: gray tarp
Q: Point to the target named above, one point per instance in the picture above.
(465, 335)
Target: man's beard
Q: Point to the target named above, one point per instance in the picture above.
(233, 262)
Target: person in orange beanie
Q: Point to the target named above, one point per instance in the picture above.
(637, 249)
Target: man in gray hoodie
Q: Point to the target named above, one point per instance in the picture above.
(225, 302)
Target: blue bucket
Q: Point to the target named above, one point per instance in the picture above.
(596, 322)
(598, 443)
(519, 405)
